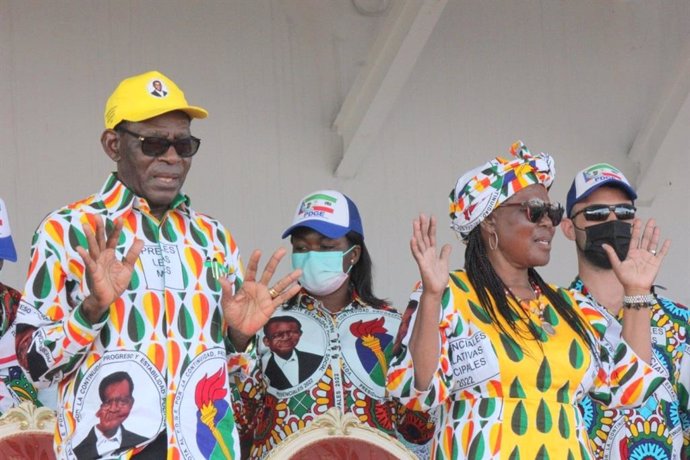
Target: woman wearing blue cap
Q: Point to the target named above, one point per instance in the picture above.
(330, 345)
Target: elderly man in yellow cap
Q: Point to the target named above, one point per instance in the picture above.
(133, 279)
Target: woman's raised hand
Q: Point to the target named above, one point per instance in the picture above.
(433, 267)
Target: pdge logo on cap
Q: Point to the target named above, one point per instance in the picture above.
(157, 88)
(317, 205)
(598, 173)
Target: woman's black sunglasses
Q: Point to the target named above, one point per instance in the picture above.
(536, 209)
(601, 212)
(153, 146)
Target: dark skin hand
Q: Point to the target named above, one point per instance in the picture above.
(252, 306)
(246, 311)
(106, 276)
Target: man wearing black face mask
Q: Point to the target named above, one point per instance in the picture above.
(600, 211)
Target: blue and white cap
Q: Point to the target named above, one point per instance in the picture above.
(7, 251)
(591, 178)
(328, 212)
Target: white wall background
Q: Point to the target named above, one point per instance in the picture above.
(579, 79)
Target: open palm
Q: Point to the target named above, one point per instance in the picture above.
(433, 268)
(252, 305)
(106, 276)
(643, 262)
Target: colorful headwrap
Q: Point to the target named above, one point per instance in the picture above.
(481, 190)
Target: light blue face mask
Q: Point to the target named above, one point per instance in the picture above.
(322, 271)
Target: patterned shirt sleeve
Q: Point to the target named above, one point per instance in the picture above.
(52, 333)
(242, 368)
(416, 427)
(623, 378)
(238, 360)
(401, 383)
(683, 390)
(9, 302)
(249, 391)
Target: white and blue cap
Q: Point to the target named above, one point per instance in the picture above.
(328, 212)
(592, 178)
(7, 251)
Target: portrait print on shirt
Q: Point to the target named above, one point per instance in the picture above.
(286, 363)
(111, 402)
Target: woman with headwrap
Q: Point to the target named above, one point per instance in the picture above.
(503, 356)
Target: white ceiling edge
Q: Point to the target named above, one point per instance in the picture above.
(389, 64)
(644, 152)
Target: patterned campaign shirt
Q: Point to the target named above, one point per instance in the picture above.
(166, 331)
(505, 397)
(14, 386)
(343, 358)
(660, 428)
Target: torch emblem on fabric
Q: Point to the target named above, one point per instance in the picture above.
(210, 401)
(372, 341)
(201, 409)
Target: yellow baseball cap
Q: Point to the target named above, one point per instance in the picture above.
(146, 96)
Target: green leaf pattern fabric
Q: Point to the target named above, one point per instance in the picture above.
(659, 429)
(166, 330)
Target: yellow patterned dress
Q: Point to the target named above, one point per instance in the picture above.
(504, 397)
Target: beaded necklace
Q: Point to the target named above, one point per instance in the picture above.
(535, 306)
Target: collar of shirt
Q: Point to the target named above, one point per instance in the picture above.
(9, 302)
(118, 199)
(282, 362)
(106, 445)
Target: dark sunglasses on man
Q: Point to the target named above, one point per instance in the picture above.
(154, 146)
(601, 212)
(536, 209)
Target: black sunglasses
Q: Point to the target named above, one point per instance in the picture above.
(601, 212)
(156, 146)
(536, 209)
